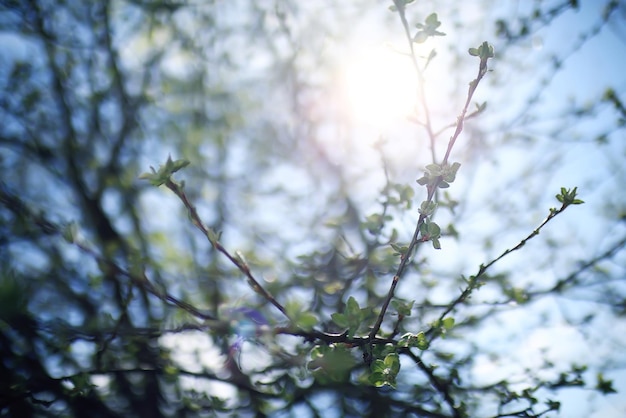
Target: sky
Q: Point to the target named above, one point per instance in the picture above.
(370, 90)
(376, 85)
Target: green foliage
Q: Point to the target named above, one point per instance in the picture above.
(442, 326)
(400, 250)
(331, 363)
(158, 178)
(403, 197)
(430, 231)
(302, 319)
(604, 386)
(384, 372)
(517, 294)
(568, 197)
(402, 308)
(484, 51)
(439, 175)
(418, 341)
(427, 208)
(374, 222)
(353, 317)
(428, 29)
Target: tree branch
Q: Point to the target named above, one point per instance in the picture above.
(237, 259)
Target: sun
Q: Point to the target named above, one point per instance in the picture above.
(379, 87)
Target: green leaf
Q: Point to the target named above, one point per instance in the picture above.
(430, 231)
(568, 197)
(420, 37)
(352, 318)
(378, 366)
(553, 405)
(518, 294)
(427, 208)
(70, 232)
(422, 342)
(306, 320)
(340, 319)
(485, 50)
(352, 307)
(377, 378)
(403, 308)
(449, 172)
(174, 166)
(380, 351)
(432, 20)
(604, 386)
(434, 169)
(448, 323)
(405, 196)
(374, 222)
(414, 341)
(434, 230)
(331, 363)
(452, 231)
(392, 363)
(384, 372)
(158, 178)
(428, 29)
(399, 249)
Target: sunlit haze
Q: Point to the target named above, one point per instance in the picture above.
(379, 87)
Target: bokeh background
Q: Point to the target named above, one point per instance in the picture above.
(306, 126)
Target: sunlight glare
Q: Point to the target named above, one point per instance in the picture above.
(379, 88)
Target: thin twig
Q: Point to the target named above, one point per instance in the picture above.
(562, 283)
(442, 388)
(482, 70)
(143, 282)
(236, 260)
(473, 281)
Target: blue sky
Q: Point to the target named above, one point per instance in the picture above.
(493, 166)
(564, 154)
(534, 170)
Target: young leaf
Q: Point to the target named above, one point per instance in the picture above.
(306, 320)
(158, 178)
(402, 307)
(434, 230)
(448, 323)
(427, 208)
(352, 307)
(604, 386)
(428, 29)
